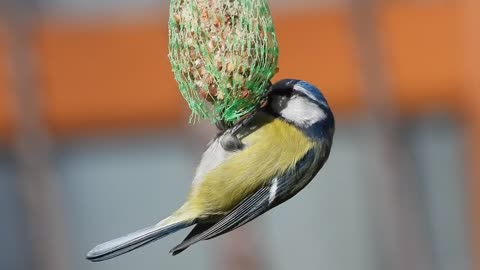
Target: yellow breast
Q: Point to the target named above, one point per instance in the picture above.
(271, 150)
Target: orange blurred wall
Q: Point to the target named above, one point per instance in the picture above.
(423, 51)
(117, 74)
(113, 75)
(6, 117)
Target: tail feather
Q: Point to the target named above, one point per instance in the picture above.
(198, 229)
(127, 243)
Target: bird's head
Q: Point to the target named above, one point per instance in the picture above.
(302, 105)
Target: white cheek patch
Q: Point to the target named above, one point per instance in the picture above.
(303, 112)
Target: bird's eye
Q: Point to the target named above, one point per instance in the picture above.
(284, 93)
(281, 91)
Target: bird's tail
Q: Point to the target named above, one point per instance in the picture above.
(127, 243)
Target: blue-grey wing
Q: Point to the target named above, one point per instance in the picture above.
(278, 190)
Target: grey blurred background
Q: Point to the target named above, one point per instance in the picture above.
(94, 140)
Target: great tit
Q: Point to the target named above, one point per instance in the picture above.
(247, 169)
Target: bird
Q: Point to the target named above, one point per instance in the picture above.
(247, 169)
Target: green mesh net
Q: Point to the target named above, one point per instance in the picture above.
(223, 54)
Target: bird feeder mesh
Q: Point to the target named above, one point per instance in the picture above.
(223, 54)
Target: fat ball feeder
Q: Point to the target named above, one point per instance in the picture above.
(223, 55)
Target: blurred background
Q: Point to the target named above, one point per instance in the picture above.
(94, 140)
